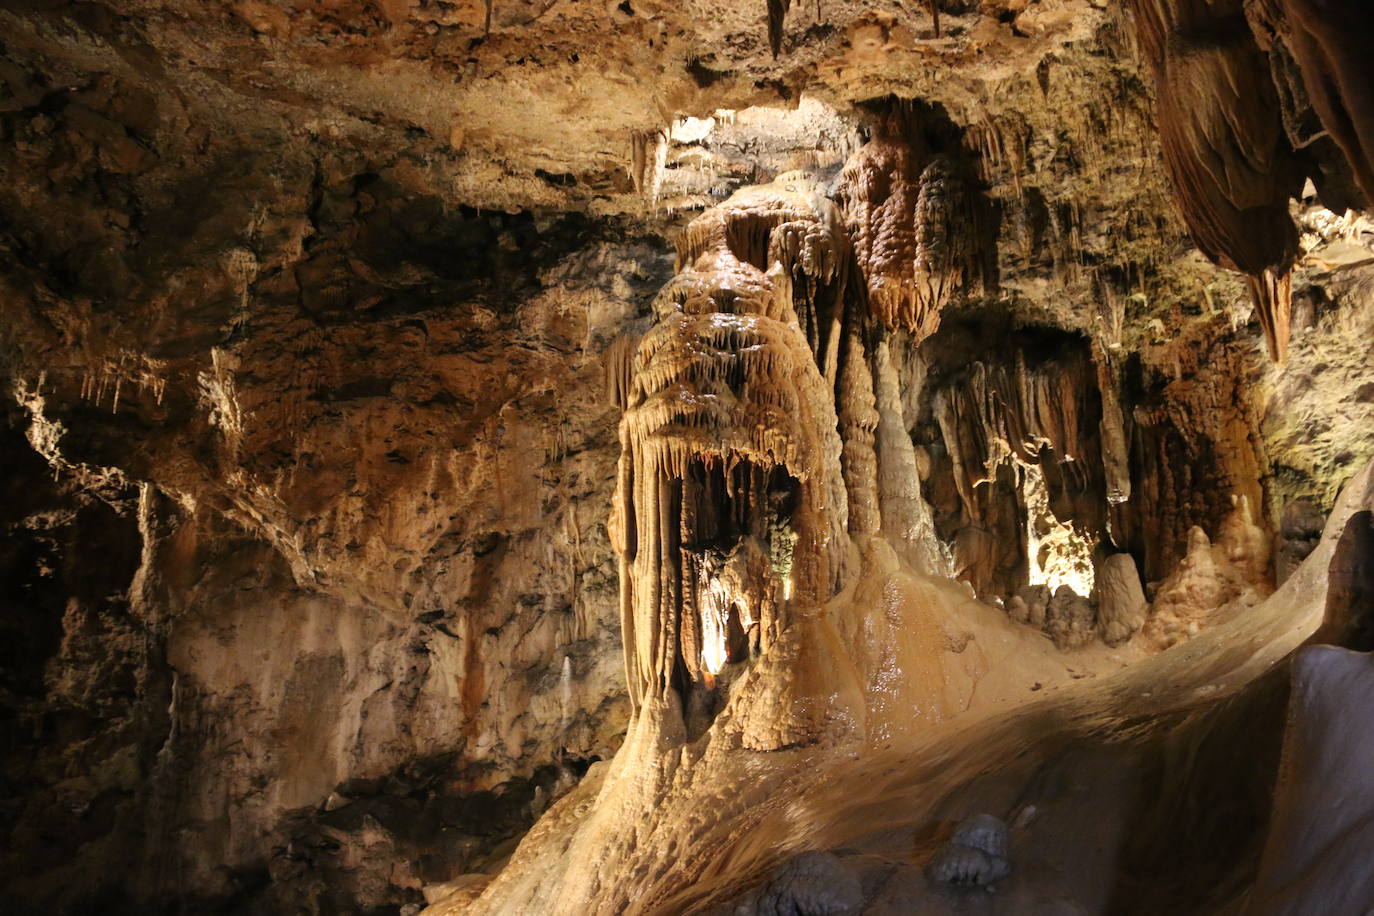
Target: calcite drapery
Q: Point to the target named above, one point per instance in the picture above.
(1329, 40)
(730, 509)
(998, 412)
(913, 222)
(1033, 455)
(1228, 160)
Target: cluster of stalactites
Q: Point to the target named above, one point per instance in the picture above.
(728, 358)
(1005, 413)
(779, 251)
(733, 588)
(913, 225)
(1116, 467)
(619, 364)
(730, 500)
(700, 380)
(746, 226)
(1228, 159)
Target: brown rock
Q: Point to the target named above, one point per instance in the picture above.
(1069, 619)
(1121, 605)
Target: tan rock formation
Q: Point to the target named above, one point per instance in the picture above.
(1214, 578)
(914, 225)
(728, 438)
(1121, 605)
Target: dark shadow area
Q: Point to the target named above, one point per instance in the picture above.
(1202, 813)
(1349, 618)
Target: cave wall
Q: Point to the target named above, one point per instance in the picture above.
(85, 691)
(366, 565)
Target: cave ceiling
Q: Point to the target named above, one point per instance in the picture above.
(514, 105)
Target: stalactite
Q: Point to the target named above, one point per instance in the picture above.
(647, 151)
(913, 225)
(1330, 42)
(241, 266)
(1115, 451)
(727, 412)
(618, 362)
(777, 13)
(1224, 146)
(1272, 292)
(639, 154)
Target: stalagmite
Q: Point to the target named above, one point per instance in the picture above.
(1214, 579)
(858, 426)
(813, 882)
(1035, 599)
(906, 516)
(1121, 605)
(976, 856)
(1069, 619)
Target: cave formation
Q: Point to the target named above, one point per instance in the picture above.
(679, 458)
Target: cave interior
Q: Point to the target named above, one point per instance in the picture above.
(570, 457)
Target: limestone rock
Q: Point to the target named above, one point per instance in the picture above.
(1121, 604)
(1070, 619)
(1300, 529)
(452, 897)
(1314, 861)
(1036, 600)
(811, 884)
(976, 856)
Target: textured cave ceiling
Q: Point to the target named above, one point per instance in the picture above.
(534, 105)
